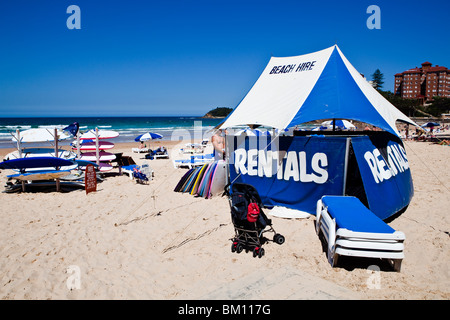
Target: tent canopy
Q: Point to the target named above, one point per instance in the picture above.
(320, 85)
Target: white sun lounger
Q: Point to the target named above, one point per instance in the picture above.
(351, 229)
(140, 150)
(194, 161)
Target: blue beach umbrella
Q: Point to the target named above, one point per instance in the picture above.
(430, 124)
(343, 124)
(148, 136)
(252, 132)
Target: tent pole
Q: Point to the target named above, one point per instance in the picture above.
(58, 186)
(97, 151)
(78, 145)
(19, 148)
(347, 150)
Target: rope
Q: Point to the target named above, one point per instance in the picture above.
(185, 241)
(425, 165)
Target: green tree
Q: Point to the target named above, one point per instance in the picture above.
(377, 79)
(438, 106)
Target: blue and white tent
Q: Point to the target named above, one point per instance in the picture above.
(320, 85)
(296, 171)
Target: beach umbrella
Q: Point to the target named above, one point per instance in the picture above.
(252, 132)
(430, 124)
(148, 136)
(343, 124)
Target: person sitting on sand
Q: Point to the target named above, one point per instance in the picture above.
(142, 145)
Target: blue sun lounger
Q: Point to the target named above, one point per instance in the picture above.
(351, 229)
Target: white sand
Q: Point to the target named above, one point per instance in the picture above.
(133, 241)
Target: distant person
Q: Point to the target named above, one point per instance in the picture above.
(142, 145)
(218, 142)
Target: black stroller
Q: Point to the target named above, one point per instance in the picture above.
(249, 220)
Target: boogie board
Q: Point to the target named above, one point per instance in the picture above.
(89, 146)
(40, 175)
(103, 156)
(102, 134)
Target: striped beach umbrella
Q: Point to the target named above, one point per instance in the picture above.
(148, 136)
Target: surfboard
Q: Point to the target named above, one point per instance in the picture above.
(208, 186)
(197, 180)
(40, 175)
(35, 162)
(219, 180)
(191, 178)
(43, 184)
(89, 146)
(205, 170)
(84, 163)
(102, 167)
(184, 179)
(180, 183)
(103, 156)
(205, 181)
(102, 134)
(39, 135)
(41, 152)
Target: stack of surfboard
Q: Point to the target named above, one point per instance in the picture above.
(88, 147)
(38, 168)
(205, 181)
(31, 164)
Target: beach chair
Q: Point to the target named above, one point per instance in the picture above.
(129, 170)
(350, 229)
(139, 150)
(147, 170)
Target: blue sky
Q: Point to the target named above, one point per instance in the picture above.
(186, 57)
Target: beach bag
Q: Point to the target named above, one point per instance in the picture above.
(239, 205)
(252, 212)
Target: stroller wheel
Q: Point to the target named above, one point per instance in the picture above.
(239, 247)
(261, 252)
(278, 238)
(233, 247)
(255, 252)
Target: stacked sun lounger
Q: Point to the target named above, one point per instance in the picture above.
(350, 229)
(194, 161)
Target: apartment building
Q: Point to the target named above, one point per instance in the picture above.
(423, 83)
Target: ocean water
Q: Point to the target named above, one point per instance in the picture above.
(172, 128)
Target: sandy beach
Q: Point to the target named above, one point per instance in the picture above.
(134, 241)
